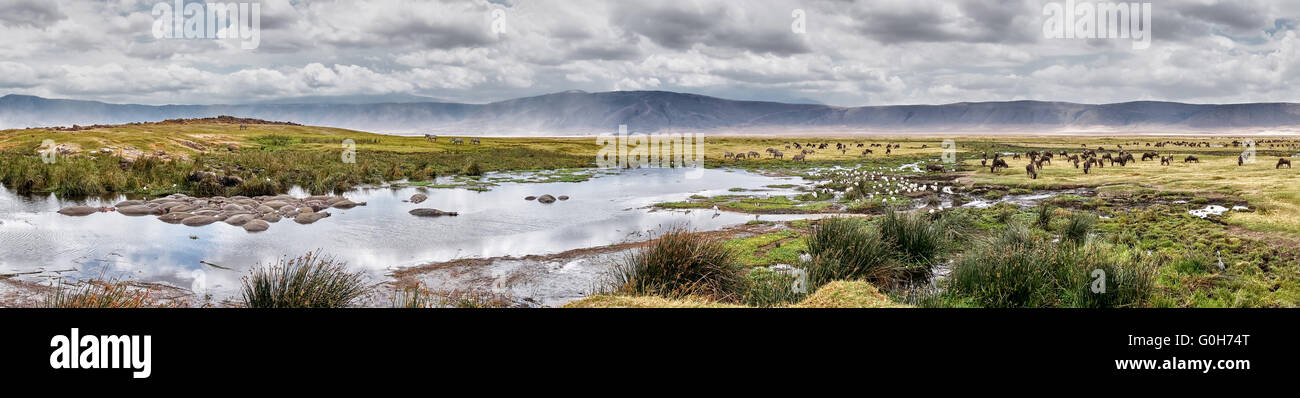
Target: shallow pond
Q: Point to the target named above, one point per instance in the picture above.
(378, 237)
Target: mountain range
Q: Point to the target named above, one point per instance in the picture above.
(582, 113)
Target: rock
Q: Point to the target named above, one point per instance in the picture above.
(139, 210)
(196, 221)
(530, 197)
(173, 217)
(431, 213)
(256, 226)
(308, 218)
(126, 203)
(78, 211)
(419, 197)
(563, 197)
(546, 199)
(239, 219)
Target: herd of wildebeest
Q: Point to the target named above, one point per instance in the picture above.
(1085, 159)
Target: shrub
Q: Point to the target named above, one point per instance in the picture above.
(472, 170)
(679, 264)
(769, 288)
(310, 281)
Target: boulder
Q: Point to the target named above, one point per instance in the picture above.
(431, 213)
(78, 211)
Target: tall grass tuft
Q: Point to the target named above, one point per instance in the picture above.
(679, 264)
(309, 281)
(914, 235)
(1043, 215)
(847, 249)
(1077, 227)
(98, 293)
(1019, 269)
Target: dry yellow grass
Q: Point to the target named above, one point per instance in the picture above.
(608, 301)
(846, 294)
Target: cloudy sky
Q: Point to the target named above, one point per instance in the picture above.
(867, 52)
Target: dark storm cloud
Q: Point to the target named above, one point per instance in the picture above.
(33, 13)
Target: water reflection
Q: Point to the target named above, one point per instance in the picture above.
(378, 237)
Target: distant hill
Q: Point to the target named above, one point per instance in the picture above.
(576, 112)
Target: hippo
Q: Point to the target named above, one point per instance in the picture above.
(174, 218)
(308, 218)
(271, 218)
(344, 204)
(140, 210)
(239, 219)
(425, 212)
(563, 197)
(232, 207)
(197, 220)
(126, 203)
(546, 199)
(256, 226)
(78, 211)
(530, 197)
(419, 197)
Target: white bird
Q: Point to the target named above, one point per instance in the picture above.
(1216, 254)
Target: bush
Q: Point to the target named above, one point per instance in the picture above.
(679, 264)
(472, 170)
(310, 281)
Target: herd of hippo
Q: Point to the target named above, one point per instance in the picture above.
(253, 214)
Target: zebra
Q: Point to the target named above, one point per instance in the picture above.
(431, 137)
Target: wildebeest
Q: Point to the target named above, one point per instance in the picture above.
(1241, 160)
(475, 141)
(1283, 161)
(739, 156)
(1087, 165)
(753, 154)
(728, 155)
(458, 140)
(998, 163)
(866, 152)
(934, 167)
(777, 155)
(1191, 159)
(1074, 159)
(798, 157)
(1149, 155)
(1166, 160)
(1031, 170)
